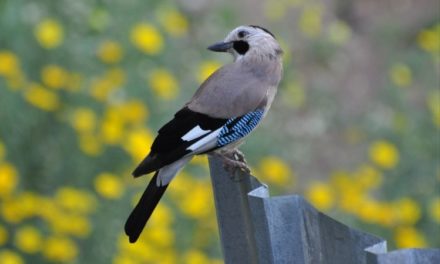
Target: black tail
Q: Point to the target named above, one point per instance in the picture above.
(143, 210)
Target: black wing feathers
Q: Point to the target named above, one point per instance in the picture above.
(142, 212)
(169, 146)
(170, 135)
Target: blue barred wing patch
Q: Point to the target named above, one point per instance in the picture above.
(238, 127)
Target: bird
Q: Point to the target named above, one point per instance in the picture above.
(227, 106)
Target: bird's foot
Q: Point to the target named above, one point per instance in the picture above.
(238, 155)
(232, 165)
(234, 162)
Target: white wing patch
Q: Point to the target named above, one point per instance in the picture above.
(195, 133)
(205, 143)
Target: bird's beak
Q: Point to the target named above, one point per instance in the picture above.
(220, 46)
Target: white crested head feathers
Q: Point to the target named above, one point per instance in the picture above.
(249, 41)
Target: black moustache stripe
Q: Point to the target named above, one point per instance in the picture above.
(241, 47)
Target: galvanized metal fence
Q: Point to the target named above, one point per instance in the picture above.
(257, 228)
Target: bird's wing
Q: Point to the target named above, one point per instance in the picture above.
(191, 133)
(233, 90)
(174, 139)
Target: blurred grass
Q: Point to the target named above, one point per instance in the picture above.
(85, 85)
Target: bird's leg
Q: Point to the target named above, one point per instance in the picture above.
(238, 155)
(233, 160)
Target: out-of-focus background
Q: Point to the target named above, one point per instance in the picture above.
(85, 85)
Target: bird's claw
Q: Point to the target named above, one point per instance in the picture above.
(238, 155)
(235, 163)
(232, 165)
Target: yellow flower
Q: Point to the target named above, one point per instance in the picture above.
(28, 239)
(350, 200)
(409, 237)
(124, 259)
(206, 69)
(434, 209)
(112, 131)
(433, 102)
(163, 84)
(60, 249)
(109, 186)
(29, 203)
(48, 209)
(385, 215)
(84, 120)
(134, 111)
(54, 76)
(3, 236)
(163, 216)
(79, 226)
(429, 40)
(10, 70)
(10, 211)
(401, 75)
(174, 22)
(69, 224)
(9, 64)
(368, 177)
(321, 195)
(198, 203)
(340, 180)
(75, 200)
(90, 144)
(42, 98)
(10, 257)
(102, 87)
(407, 211)
(110, 52)
(276, 171)
(138, 142)
(20, 207)
(349, 192)
(8, 179)
(310, 20)
(339, 32)
(146, 38)
(195, 257)
(140, 251)
(181, 186)
(384, 154)
(160, 236)
(49, 33)
(112, 126)
(368, 210)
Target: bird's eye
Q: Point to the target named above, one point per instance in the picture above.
(242, 34)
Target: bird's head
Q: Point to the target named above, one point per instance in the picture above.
(249, 41)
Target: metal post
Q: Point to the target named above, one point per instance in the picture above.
(257, 228)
